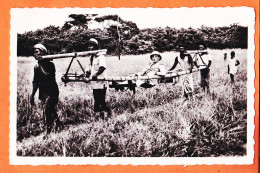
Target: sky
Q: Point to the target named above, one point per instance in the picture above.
(31, 19)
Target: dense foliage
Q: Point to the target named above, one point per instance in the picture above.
(120, 36)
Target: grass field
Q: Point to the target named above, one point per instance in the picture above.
(153, 122)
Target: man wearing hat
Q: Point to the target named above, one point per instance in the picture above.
(154, 68)
(44, 80)
(98, 69)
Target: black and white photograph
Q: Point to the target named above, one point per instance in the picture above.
(140, 86)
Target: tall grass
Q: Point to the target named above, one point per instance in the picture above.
(153, 122)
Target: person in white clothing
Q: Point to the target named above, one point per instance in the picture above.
(98, 68)
(154, 68)
(232, 66)
(185, 62)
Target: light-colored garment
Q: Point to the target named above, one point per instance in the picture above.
(186, 80)
(204, 75)
(151, 70)
(232, 66)
(187, 83)
(98, 61)
(203, 60)
(183, 63)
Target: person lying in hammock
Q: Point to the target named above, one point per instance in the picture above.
(154, 68)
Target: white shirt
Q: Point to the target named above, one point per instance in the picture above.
(203, 60)
(152, 69)
(98, 61)
(232, 65)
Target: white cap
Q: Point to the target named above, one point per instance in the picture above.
(41, 47)
(94, 41)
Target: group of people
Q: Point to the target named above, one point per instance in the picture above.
(44, 77)
(182, 62)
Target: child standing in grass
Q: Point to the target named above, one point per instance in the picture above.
(225, 56)
(232, 67)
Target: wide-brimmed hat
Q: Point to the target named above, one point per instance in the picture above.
(156, 53)
(41, 47)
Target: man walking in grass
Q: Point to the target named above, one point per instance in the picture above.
(44, 80)
(203, 59)
(98, 69)
(232, 67)
(184, 62)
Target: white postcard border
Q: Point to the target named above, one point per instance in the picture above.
(248, 159)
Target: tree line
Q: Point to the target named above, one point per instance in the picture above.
(119, 36)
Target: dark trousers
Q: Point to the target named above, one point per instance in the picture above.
(232, 78)
(100, 100)
(205, 77)
(50, 113)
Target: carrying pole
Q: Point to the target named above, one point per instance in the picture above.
(170, 74)
(78, 54)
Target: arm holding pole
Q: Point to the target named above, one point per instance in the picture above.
(174, 65)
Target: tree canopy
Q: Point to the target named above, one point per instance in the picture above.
(121, 36)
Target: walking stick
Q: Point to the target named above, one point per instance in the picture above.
(29, 114)
(44, 117)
